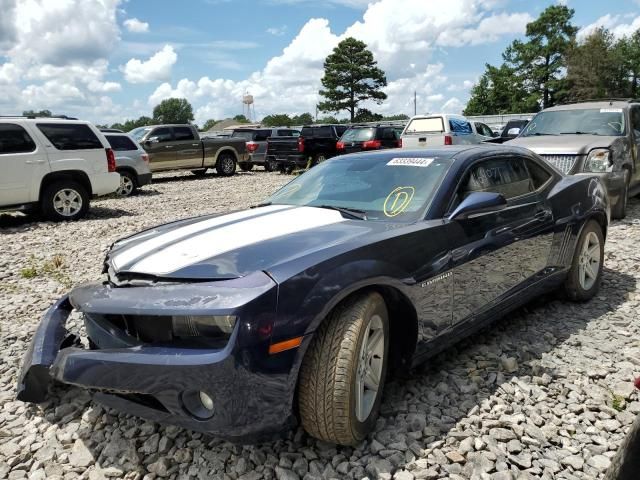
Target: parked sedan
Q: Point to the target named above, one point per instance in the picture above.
(295, 310)
(132, 162)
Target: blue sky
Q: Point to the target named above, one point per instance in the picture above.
(107, 60)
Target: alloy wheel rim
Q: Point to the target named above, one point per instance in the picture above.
(126, 186)
(589, 261)
(369, 369)
(227, 165)
(321, 158)
(67, 202)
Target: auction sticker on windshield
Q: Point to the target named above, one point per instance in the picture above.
(610, 110)
(411, 162)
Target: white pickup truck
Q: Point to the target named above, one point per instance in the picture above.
(441, 129)
(53, 165)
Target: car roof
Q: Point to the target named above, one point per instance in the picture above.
(593, 104)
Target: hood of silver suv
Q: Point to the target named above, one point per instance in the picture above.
(563, 144)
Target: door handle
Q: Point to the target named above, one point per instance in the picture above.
(31, 162)
(195, 144)
(168, 146)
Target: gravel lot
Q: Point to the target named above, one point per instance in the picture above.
(544, 393)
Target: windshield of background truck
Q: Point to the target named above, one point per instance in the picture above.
(588, 121)
(138, 133)
(426, 125)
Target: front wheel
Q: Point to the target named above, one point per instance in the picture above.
(226, 165)
(619, 211)
(585, 275)
(343, 372)
(64, 200)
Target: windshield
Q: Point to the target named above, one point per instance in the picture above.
(592, 121)
(383, 187)
(139, 132)
(358, 134)
(426, 125)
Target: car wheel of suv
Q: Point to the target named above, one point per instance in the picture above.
(64, 200)
(585, 275)
(619, 211)
(128, 185)
(226, 165)
(319, 158)
(246, 167)
(271, 166)
(343, 372)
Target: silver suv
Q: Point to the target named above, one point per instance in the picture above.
(132, 162)
(599, 137)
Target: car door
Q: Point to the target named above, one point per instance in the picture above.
(496, 253)
(162, 154)
(22, 165)
(261, 137)
(188, 149)
(634, 115)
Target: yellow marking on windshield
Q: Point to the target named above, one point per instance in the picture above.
(398, 201)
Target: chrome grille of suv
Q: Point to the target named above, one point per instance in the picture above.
(564, 163)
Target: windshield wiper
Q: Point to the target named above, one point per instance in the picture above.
(540, 134)
(352, 212)
(265, 204)
(578, 133)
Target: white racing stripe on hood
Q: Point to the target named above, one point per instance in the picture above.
(131, 254)
(183, 253)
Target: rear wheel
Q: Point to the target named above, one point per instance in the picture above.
(271, 166)
(585, 275)
(226, 165)
(343, 373)
(128, 185)
(64, 200)
(319, 158)
(619, 211)
(246, 167)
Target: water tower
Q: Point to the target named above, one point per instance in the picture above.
(248, 108)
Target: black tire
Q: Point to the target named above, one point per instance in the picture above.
(246, 167)
(50, 206)
(226, 165)
(573, 286)
(199, 173)
(271, 166)
(128, 184)
(619, 211)
(318, 158)
(327, 388)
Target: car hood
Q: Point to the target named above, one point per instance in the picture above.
(563, 144)
(232, 245)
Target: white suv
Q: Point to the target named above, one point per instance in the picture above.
(440, 129)
(53, 165)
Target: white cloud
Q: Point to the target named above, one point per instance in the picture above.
(136, 26)
(277, 31)
(615, 23)
(157, 67)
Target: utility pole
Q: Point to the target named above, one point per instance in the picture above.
(415, 103)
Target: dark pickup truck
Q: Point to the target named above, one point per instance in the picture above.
(179, 147)
(314, 145)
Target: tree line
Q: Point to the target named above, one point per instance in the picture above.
(551, 66)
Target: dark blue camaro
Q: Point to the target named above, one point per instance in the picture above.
(295, 310)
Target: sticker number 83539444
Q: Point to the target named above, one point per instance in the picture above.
(398, 201)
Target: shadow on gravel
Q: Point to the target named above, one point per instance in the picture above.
(17, 219)
(433, 403)
(94, 213)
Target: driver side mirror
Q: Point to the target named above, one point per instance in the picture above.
(513, 132)
(479, 202)
(151, 141)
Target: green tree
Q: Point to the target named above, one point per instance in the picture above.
(173, 110)
(365, 115)
(400, 116)
(208, 125)
(277, 120)
(303, 119)
(540, 60)
(351, 75)
(480, 101)
(627, 51)
(241, 119)
(328, 119)
(129, 125)
(596, 68)
(39, 113)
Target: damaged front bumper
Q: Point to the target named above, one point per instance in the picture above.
(251, 391)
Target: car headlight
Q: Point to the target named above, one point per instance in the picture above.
(202, 326)
(599, 161)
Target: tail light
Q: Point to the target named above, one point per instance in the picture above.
(448, 140)
(111, 160)
(372, 145)
(252, 147)
(300, 144)
(399, 143)
(145, 158)
(340, 146)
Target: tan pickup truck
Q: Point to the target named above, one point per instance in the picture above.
(179, 147)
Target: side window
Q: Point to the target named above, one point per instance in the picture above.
(15, 139)
(163, 134)
(324, 132)
(635, 122)
(508, 176)
(121, 143)
(262, 135)
(183, 133)
(389, 134)
(484, 130)
(539, 176)
(340, 130)
(288, 133)
(70, 136)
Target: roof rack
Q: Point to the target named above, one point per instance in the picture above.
(58, 117)
(610, 100)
